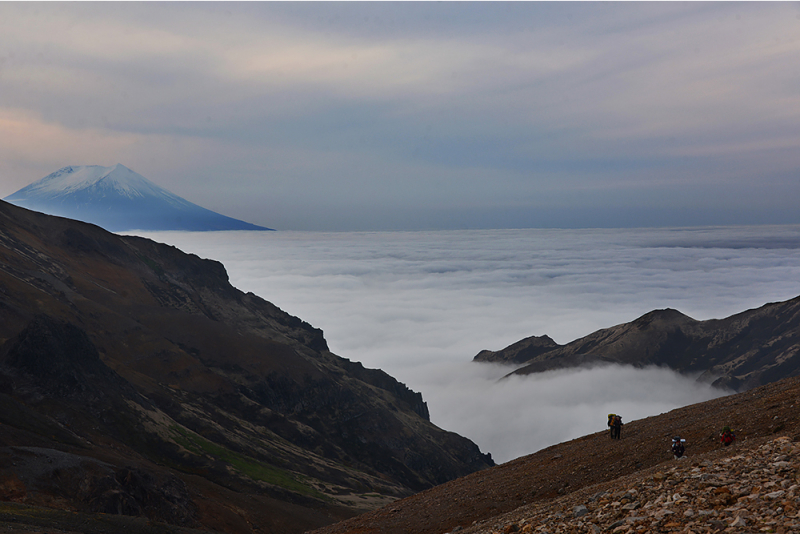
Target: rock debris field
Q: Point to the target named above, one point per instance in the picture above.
(754, 491)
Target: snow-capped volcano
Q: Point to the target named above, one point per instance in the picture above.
(117, 179)
(118, 199)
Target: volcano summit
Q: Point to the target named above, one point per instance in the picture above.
(119, 199)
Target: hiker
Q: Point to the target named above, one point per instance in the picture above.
(727, 437)
(611, 417)
(677, 447)
(616, 427)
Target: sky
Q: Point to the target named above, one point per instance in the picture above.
(421, 304)
(417, 115)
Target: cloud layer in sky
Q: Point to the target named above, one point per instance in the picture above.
(416, 115)
(421, 305)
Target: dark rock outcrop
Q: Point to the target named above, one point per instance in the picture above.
(520, 352)
(60, 358)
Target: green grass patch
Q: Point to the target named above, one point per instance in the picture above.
(247, 466)
(153, 265)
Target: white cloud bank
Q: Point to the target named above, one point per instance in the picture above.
(520, 415)
(420, 305)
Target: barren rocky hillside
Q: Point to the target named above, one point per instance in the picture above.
(754, 490)
(135, 380)
(632, 484)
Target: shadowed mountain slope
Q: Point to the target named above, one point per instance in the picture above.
(745, 350)
(134, 379)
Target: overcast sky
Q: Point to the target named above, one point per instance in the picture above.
(342, 116)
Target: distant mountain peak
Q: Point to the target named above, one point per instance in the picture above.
(71, 179)
(117, 199)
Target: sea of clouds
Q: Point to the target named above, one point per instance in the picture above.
(421, 305)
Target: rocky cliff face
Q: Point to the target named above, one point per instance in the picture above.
(148, 369)
(745, 350)
(520, 352)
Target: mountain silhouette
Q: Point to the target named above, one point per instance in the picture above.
(118, 199)
(749, 349)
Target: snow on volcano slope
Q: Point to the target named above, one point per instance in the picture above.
(118, 199)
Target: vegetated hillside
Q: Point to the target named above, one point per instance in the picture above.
(541, 490)
(748, 349)
(135, 380)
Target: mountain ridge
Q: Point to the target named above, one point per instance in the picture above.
(747, 349)
(119, 199)
(149, 370)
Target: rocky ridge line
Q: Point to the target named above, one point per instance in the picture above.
(740, 352)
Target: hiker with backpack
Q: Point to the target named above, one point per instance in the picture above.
(677, 447)
(727, 437)
(616, 427)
